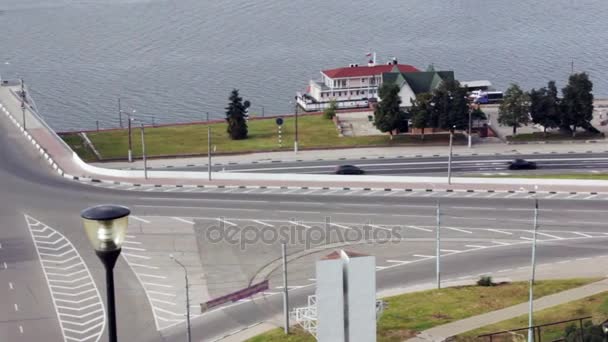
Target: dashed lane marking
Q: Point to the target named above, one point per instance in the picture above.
(222, 220)
(499, 231)
(300, 224)
(75, 296)
(420, 228)
(263, 223)
(137, 218)
(424, 256)
(458, 230)
(582, 234)
(550, 236)
(182, 220)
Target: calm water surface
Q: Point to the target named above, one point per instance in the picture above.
(175, 60)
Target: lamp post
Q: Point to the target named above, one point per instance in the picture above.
(23, 104)
(129, 119)
(106, 228)
(295, 142)
(450, 155)
(187, 295)
(470, 124)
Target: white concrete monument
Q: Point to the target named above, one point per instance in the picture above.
(346, 298)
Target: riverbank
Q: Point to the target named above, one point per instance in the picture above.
(314, 132)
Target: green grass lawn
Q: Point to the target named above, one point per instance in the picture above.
(77, 144)
(413, 312)
(553, 136)
(313, 131)
(596, 306)
(593, 176)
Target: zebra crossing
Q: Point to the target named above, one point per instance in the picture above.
(75, 296)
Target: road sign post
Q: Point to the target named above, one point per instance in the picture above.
(279, 122)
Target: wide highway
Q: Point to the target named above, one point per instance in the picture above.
(52, 284)
(547, 163)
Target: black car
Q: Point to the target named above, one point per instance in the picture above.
(348, 170)
(522, 164)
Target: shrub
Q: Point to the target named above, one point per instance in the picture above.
(330, 111)
(485, 281)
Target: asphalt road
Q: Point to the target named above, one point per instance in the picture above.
(480, 236)
(424, 165)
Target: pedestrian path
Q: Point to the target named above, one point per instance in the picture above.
(443, 332)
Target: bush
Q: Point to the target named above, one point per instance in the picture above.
(330, 111)
(485, 281)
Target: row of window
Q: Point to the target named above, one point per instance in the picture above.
(353, 92)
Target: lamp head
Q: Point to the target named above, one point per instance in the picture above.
(106, 226)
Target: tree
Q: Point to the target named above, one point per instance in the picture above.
(421, 112)
(577, 103)
(330, 111)
(545, 107)
(388, 115)
(236, 115)
(514, 110)
(451, 107)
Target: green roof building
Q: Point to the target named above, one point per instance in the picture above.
(414, 83)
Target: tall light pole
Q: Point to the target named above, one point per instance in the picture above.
(23, 104)
(209, 151)
(532, 275)
(106, 228)
(438, 247)
(187, 296)
(119, 113)
(130, 153)
(143, 152)
(450, 155)
(295, 142)
(285, 290)
(470, 124)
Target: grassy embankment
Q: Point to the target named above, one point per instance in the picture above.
(553, 136)
(596, 306)
(409, 313)
(313, 131)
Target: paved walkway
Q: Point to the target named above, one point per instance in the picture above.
(441, 333)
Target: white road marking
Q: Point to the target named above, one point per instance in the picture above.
(339, 226)
(152, 276)
(4, 264)
(132, 242)
(501, 243)
(137, 218)
(136, 256)
(21, 329)
(300, 224)
(182, 220)
(458, 230)
(424, 256)
(563, 262)
(10, 285)
(402, 262)
(476, 246)
(419, 228)
(227, 222)
(590, 197)
(551, 236)
(16, 307)
(157, 284)
(582, 234)
(143, 266)
(263, 223)
(129, 248)
(499, 231)
(375, 226)
(450, 250)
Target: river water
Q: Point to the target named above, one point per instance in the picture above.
(175, 60)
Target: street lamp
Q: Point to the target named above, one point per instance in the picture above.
(106, 228)
(295, 142)
(450, 155)
(129, 119)
(187, 295)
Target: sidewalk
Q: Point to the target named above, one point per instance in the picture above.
(443, 332)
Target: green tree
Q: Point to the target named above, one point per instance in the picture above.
(545, 107)
(514, 110)
(330, 111)
(421, 112)
(236, 116)
(451, 107)
(388, 115)
(577, 103)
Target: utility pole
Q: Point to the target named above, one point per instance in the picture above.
(533, 273)
(23, 105)
(143, 152)
(262, 111)
(207, 116)
(130, 155)
(438, 247)
(295, 142)
(470, 124)
(450, 156)
(119, 113)
(285, 293)
(209, 151)
(187, 296)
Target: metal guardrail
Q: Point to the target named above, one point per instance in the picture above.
(537, 330)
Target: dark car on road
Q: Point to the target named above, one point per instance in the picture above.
(522, 164)
(348, 170)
